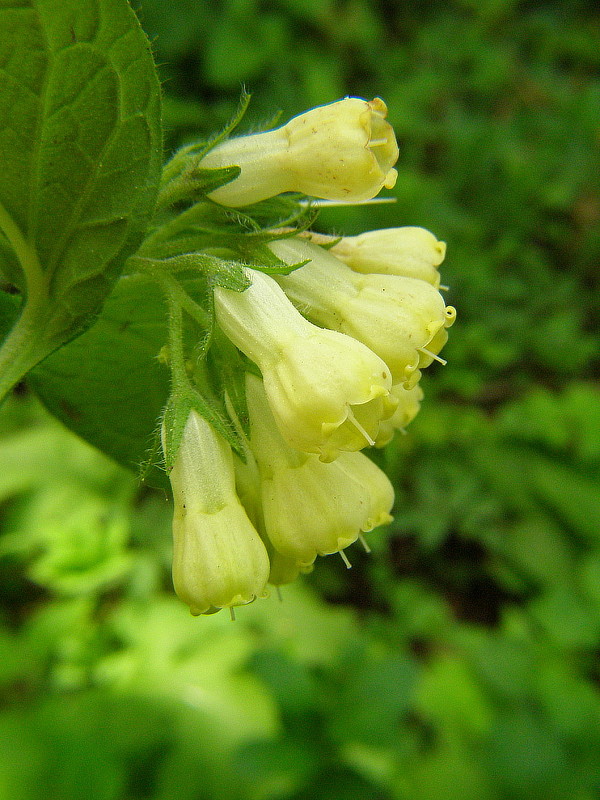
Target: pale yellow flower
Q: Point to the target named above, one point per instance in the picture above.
(248, 482)
(219, 560)
(309, 507)
(327, 391)
(410, 252)
(341, 151)
(409, 405)
(403, 320)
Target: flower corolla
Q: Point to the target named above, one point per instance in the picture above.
(327, 391)
(409, 405)
(312, 508)
(409, 251)
(341, 151)
(219, 560)
(403, 320)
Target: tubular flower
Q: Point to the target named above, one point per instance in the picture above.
(401, 319)
(247, 478)
(285, 570)
(327, 391)
(341, 151)
(309, 507)
(409, 405)
(410, 252)
(219, 560)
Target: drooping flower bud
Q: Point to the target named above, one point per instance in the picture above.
(219, 560)
(327, 391)
(341, 151)
(403, 320)
(309, 507)
(410, 252)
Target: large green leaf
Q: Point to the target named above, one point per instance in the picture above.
(80, 151)
(108, 384)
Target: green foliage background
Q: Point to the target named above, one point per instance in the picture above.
(460, 659)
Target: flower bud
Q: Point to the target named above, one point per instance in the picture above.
(403, 320)
(410, 252)
(327, 391)
(219, 560)
(309, 507)
(341, 151)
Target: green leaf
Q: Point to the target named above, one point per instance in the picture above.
(449, 694)
(567, 618)
(108, 385)
(206, 181)
(373, 697)
(573, 496)
(193, 183)
(80, 149)
(230, 275)
(228, 369)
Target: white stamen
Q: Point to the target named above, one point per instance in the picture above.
(335, 203)
(377, 142)
(363, 541)
(427, 352)
(359, 427)
(443, 288)
(345, 560)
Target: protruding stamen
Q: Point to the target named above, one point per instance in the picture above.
(345, 560)
(364, 543)
(359, 427)
(435, 357)
(377, 142)
(232, 613)
(279, 595)
(443, 288)
(335, 203)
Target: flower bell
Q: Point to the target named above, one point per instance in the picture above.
(309, 507)
(403, 320)
(410, 252)
(283, 569)
(219, 560)
(341, 151)
(327, 391)
(409, 405)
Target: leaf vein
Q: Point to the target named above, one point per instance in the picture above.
(73, 98)
(16, 83)
(72, 224)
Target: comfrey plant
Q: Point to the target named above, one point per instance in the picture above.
(193, 306)
(330, 338)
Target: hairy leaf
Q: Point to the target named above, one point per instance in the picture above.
(80, 148)
(108, 384)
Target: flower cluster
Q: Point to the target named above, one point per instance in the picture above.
(334, 351)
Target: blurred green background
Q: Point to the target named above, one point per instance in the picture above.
(461, 658)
